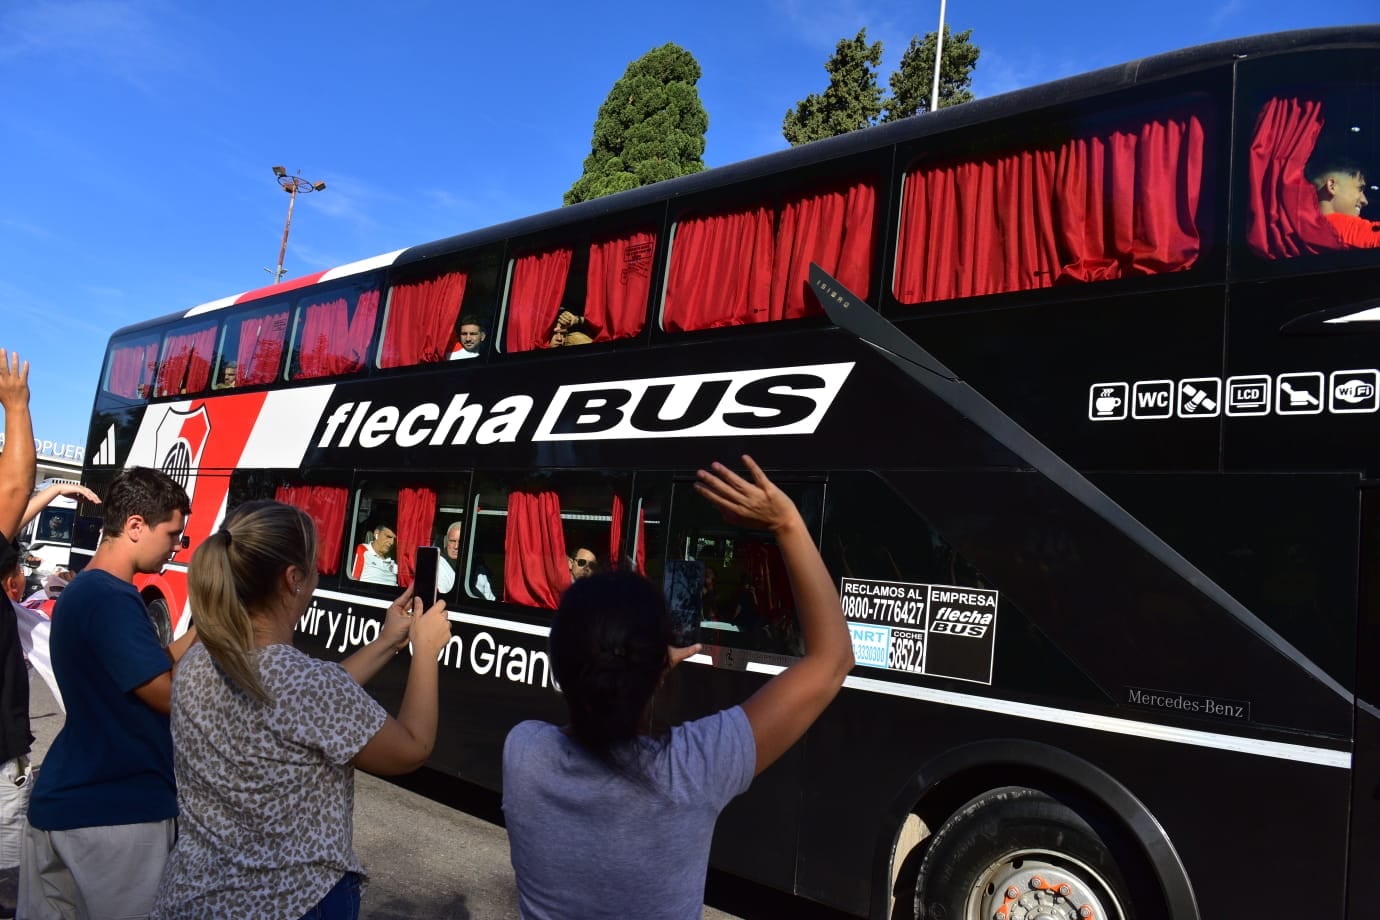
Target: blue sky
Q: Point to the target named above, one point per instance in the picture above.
(137, 136)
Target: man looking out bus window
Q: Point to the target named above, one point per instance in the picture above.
(582, 563)
(471, 339)
(1341, 195)
(372, 560)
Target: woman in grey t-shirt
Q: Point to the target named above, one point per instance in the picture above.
(605, 819)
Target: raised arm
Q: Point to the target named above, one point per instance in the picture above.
(403, 744)
(788, 705)
(45, 498)
(18, 461)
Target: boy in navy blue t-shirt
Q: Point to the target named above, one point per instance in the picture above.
(102, 812)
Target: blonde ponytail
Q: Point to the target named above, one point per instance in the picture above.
(235, 575)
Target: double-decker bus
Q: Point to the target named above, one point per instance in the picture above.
(1075, 386)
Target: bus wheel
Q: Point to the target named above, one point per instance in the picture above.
(1016, 852)
(161, 620)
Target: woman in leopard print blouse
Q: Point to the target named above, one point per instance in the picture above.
(266, 739)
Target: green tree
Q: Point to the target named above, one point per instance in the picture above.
(852, 100)
(913, 82)
(651, 127)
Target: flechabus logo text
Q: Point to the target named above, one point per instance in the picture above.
(768, 401)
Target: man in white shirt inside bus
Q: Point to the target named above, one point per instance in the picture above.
(372, 562)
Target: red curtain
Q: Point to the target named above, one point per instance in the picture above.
(976, 228)
(721, 271)
(616, 534)
(1127, 202)
(421, 321)
(332, 341)
(1283, 218)
(640, 562)
(534, 298)
(1114, 204)
(186, 364)
(416, 515)
(620, 276)
(833, 228)
(325, 505)
(534, 568)
(132, 370)
(260, 352)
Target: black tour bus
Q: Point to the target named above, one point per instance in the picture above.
(1076, 387)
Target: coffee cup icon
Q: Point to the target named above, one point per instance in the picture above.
(1107, 403)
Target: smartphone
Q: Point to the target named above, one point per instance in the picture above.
(424, 581)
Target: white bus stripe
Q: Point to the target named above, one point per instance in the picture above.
(1279, 750)
(363, 265)
(1325, 757)
(282, 432)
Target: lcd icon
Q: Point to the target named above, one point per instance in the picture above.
(1353, 391)
(1248, 395)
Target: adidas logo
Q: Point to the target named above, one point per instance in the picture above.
(105, 456)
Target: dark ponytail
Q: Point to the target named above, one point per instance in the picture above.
(609, 645)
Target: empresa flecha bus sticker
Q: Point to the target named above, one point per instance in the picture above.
(935, 630)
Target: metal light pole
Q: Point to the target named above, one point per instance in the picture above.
(938, 56)
(292, 185)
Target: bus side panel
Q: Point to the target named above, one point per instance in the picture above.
(1235, 818)
(1365, 795)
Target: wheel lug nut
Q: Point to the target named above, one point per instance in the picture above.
(1036, 882)
(1085, 911)
(1013, 892)
(1066, 889)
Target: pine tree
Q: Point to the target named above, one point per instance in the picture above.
(913, 81)
(852, 100)
(651, 127)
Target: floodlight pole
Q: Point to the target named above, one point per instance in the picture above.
(938, 56)
(292, 185)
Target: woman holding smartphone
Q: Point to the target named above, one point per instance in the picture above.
(605, 819)
(266, 739)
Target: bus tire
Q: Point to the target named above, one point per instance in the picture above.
(1014, 846)
(161, 620)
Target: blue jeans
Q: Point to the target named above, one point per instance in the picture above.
(340, 903)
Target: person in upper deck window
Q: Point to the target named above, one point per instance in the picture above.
(1341, 195)
(471, 337)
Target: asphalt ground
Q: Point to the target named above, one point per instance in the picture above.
(434, 848)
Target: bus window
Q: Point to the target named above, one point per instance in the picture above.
(1115, 200)
(549, 307)
(251, 351)
(751, 264)
(1312, 168)
(422, 321)
(131, 366)
(390, 521)
(442, 310)
(334, 331)
(535, 534)
(726, 585)
(185, 366)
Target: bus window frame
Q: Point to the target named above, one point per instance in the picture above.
(649, 219)
(1259, 79)
(1062, 120)
(773, 191)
